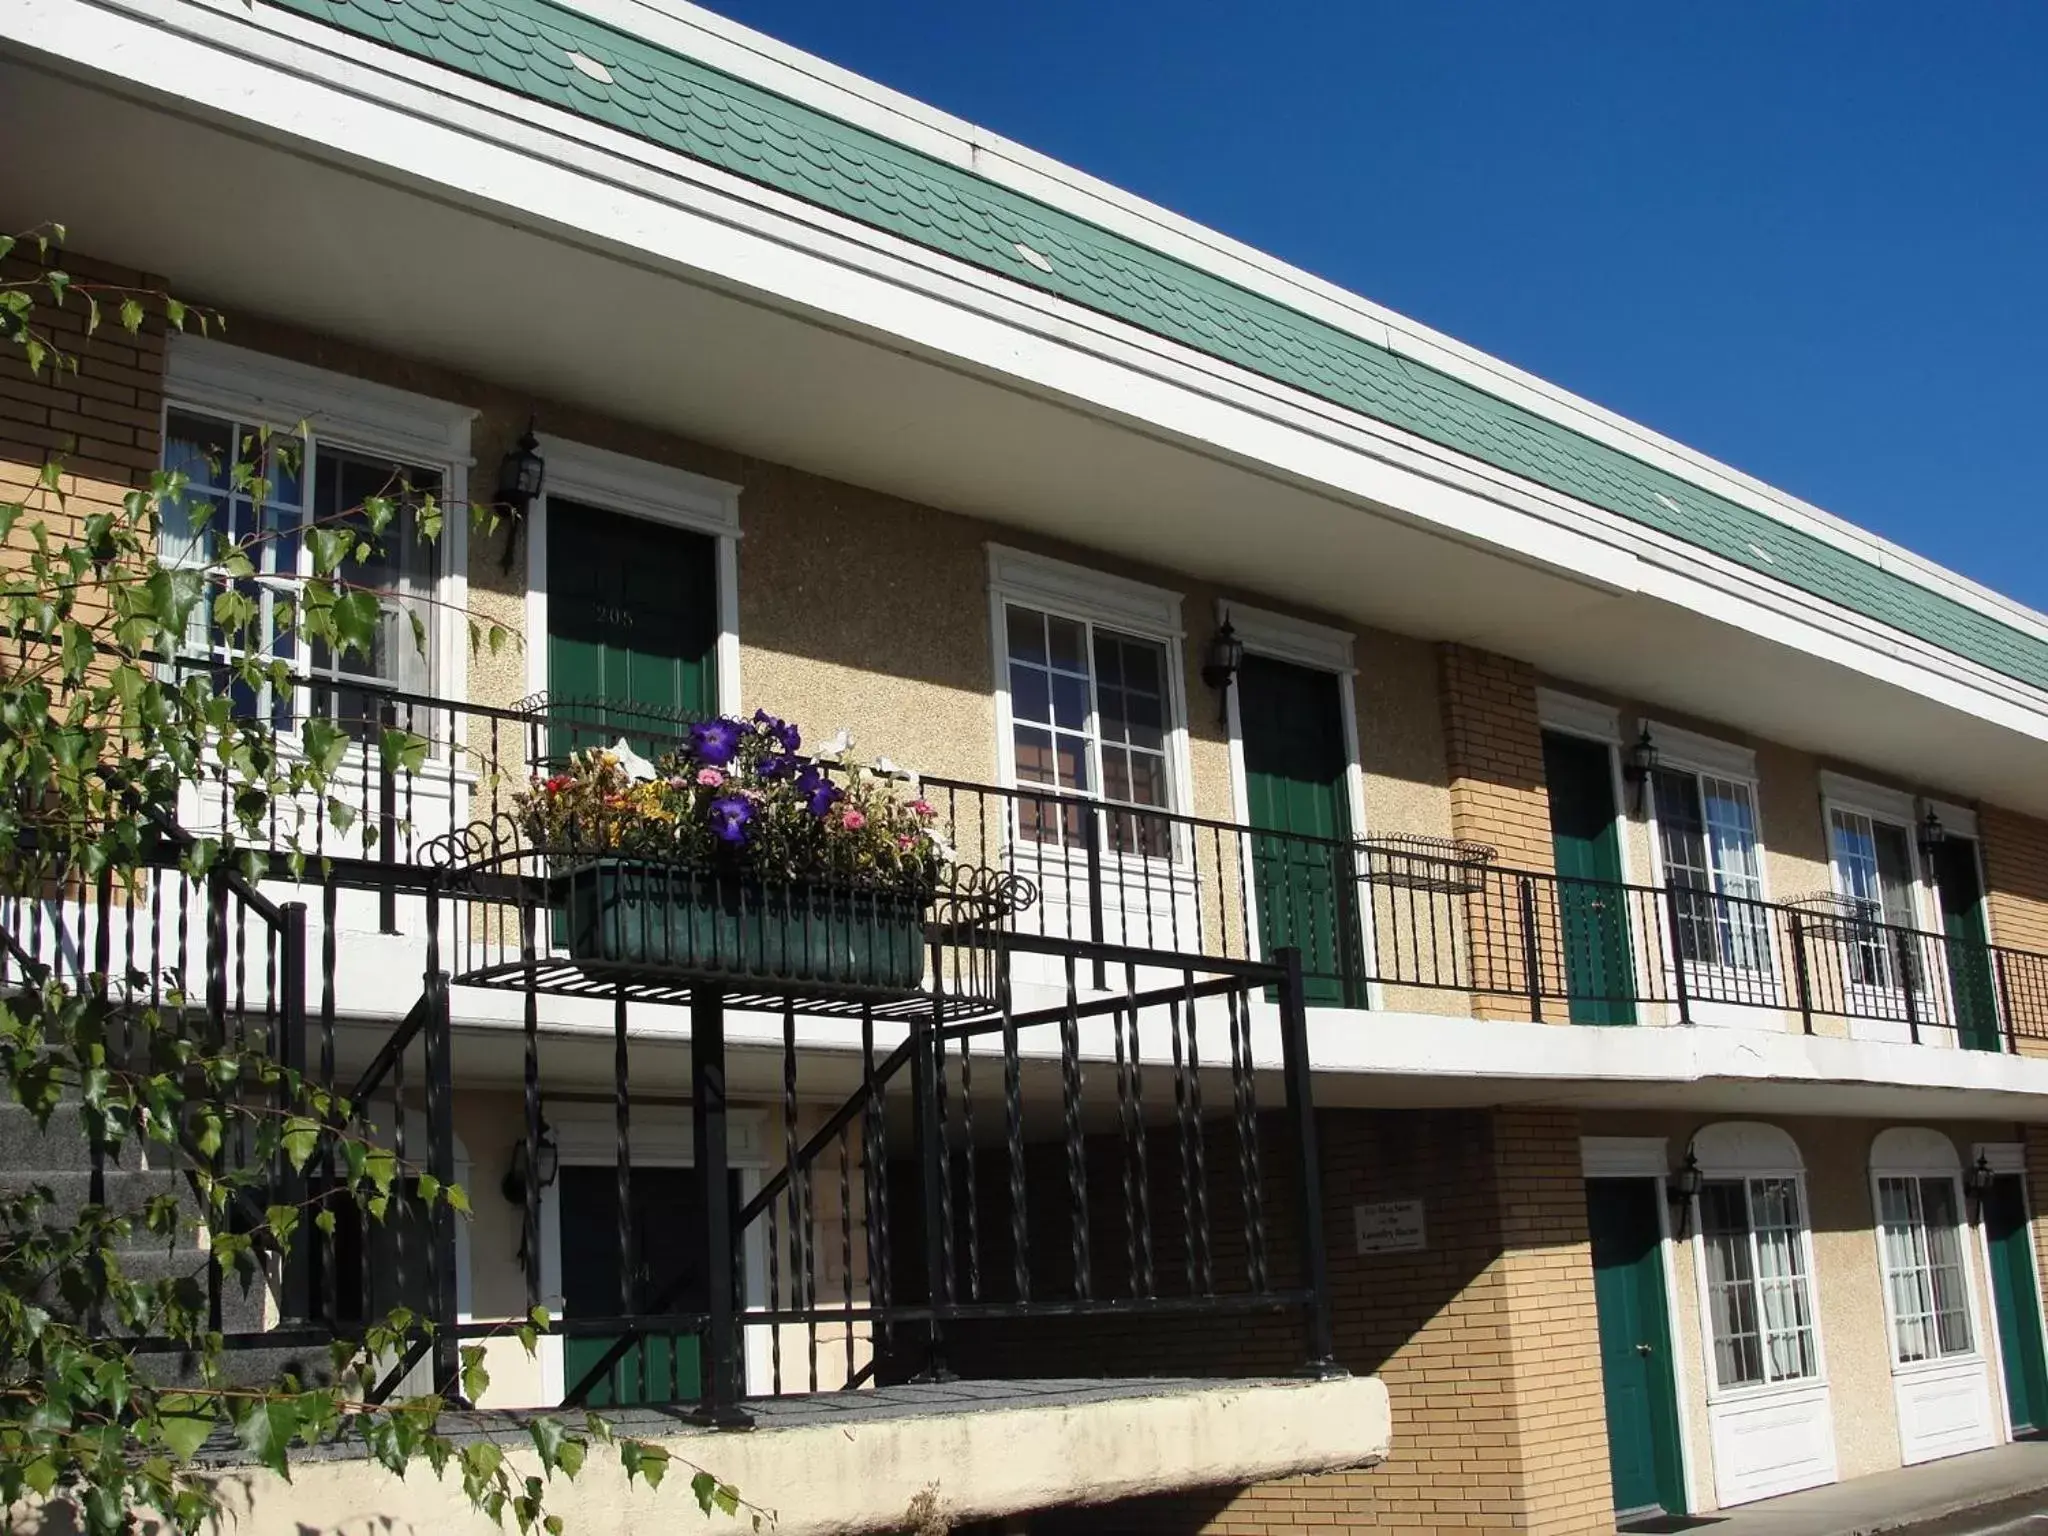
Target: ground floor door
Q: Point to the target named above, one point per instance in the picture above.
(665, 1262)
(1592, 908)
(1635, 1346)
(1296, 766)
(2016, 1298)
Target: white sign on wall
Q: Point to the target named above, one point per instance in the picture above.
(1393, 1226)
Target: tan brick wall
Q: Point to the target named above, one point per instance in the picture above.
(2015, 853)
(1486, 1340)
(1493, 750)
(101, 422)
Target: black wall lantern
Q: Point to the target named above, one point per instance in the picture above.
(519, 480)
(1220, 666)
(1681, 1189)
(545, 1164)
(1978, 1181)
(1932, 834)
(1637, 767)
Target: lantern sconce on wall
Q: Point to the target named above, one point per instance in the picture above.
(1932, 834)
(1220, 665)
(538, 1170)
(520, 474)
(1637, 767)
(1978, 1182)
(1681, 1189)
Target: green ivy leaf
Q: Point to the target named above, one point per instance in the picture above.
(301, 1136)
(183, 1423)
(265, 1429)
(547, 1436)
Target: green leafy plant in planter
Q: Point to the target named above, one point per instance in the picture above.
(736, 857)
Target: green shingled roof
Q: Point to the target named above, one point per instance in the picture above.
(689, 107)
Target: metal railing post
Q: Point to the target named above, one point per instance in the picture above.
(440, 1049)
(2003, 999)
(1097, 929)
(387, 819)
(933, 1168)
(1308, 1164)
(1532, 957)
(720, 1407)
(1680, 991)
(1903, 957)
(1801, 979)
(291, 1054)
(1350, 935)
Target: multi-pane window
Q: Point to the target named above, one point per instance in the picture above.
(1088, 713)
(243, 484)
(1874, 869)
(1923, 1268)
(1759, 1299)
(1706, 830)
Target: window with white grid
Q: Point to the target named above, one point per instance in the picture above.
(1759, 1296)
(1707, 836)
(1089, 715)
(243, 481)
(1923, 1267)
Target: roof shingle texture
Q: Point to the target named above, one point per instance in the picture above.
(684, 105)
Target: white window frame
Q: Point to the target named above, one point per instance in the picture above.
(1885, 1003)
(1714, 986)
(1749, 1151)
(1092, 598)
(1939, 1399)
(211, 378)
(659, 493)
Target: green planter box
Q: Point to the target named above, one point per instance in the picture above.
(741, 929)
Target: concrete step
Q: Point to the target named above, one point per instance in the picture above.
(59, 1148)
(128, 1191)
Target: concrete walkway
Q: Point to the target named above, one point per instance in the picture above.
(1886, 1501)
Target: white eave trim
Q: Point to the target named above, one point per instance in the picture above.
(1679, 748)
(1624, 1157)
(336, 408)
(1080, 592)
(1879, 800)
(1289, 639)
(1575, 716)
(573, 471)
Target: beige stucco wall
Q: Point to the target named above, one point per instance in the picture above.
(1847, 1284)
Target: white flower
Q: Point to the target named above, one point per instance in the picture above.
(638, 769)
(940, 846)
(884, 766)
(839, 745)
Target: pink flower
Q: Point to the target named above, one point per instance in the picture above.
(710, 778)
(923, 808)
(853, 821)
(905, 842)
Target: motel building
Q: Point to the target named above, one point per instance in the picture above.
(1495, 973)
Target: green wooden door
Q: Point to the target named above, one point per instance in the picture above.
(1635, 1346)
(2017, 1300)
(1592, 915)
(1969, 950)
(632, 627)
(668, 1207)
(1295, 765)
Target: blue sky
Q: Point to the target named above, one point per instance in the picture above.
(1809, 239)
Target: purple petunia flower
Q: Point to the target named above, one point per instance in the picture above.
(729, 817)
(785, 734)
(715, 741)
(818, 791)
(776, 766)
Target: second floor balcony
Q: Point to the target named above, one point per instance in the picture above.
(1395, 923)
